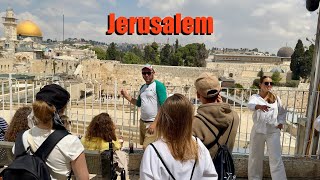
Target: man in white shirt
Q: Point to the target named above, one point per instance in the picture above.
(152, 95)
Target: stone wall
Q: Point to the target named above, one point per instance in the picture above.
(91, 69)
(6, 65)
(45, 66)
(24, 56)
(245, 73)
(129, 75)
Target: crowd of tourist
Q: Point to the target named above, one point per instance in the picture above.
(177, 143)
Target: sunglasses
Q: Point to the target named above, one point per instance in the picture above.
(268, 83)
(145, 73)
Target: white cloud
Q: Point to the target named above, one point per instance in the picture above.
(112, 2)
(161, 5)
(265, 24)
(13, 3)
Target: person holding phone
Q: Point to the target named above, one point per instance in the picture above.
(268, 118)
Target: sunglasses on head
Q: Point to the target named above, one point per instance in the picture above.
(145, 73)
(268, 83)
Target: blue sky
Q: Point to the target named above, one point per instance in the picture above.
(263, 24)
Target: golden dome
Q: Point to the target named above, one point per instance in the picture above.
(28, 28)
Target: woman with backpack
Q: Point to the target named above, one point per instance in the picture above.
(176, 154)
(268, 118)
(67, 154)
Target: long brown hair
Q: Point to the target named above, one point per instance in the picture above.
(43, 112)
(174, 125)
(19, 123)
(270, 98)
(101, 126)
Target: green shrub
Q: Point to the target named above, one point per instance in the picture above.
(256, 83)
(292, 83)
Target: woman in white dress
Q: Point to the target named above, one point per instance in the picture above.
(268, 118)
(176, 154)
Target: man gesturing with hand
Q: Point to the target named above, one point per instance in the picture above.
(152, 95)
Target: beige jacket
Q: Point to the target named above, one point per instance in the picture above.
(218, 117)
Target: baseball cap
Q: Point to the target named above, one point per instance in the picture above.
(207, 85)
(55, 95)
(148, 66)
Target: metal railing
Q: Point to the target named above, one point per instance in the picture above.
(90, 99)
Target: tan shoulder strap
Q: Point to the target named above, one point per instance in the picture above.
(31, 142)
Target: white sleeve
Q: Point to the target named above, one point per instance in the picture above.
(149, 168)
(71, 147)
(209, 171)
(282, 112)
(252, 103)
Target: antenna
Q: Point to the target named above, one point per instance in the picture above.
(62, 28)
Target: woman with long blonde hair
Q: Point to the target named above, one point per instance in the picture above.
(176, 154)
(268, 119)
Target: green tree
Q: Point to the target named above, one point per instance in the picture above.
(296, 59)
(176, 59)
(165, 55)
(260, 73)
(101, 53)
(155, 47)
(203, 55)
(276, 77)
(256, 83)
(84, 47)
(195, 55)
(132, 58)
(306, 63)
(112, 52)
(150, 55)
(176, 46)
(137, 52)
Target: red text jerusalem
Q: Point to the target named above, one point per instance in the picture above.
(167, 26)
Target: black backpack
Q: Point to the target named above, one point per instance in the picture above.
(32, 166)
(223, 161)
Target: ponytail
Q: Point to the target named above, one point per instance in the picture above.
(43, 111)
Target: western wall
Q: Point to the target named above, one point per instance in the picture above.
(130, 74)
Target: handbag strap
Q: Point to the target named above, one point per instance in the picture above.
(194, 165)
(155, 149)
(31, 142)
(216, 141)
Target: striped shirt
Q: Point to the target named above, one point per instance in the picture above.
(3, 128)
